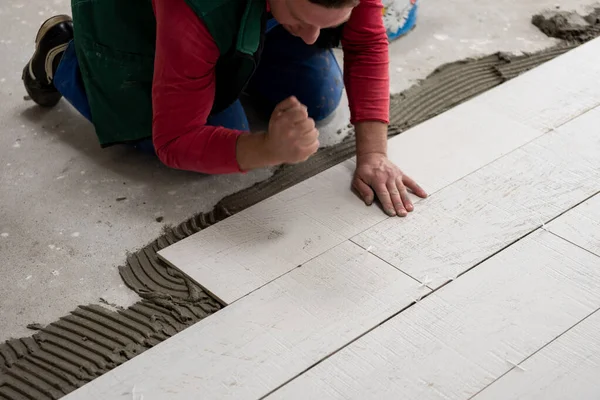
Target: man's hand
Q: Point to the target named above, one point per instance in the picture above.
(292, 136)
(377, 175)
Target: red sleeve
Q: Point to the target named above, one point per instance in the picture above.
(366, 61)
(183, 93)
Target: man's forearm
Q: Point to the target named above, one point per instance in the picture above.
(371, 137)
(251, 152)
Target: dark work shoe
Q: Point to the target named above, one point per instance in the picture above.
(50, 44)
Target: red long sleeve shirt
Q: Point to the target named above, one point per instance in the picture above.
(184, 84)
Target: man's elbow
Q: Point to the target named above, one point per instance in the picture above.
(166, 154)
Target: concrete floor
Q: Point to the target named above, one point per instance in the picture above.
(62, 231)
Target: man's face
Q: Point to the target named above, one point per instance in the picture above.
(304, 19)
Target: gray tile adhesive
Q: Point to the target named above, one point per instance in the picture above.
(92, 340)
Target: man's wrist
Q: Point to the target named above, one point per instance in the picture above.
(371, 138)
(252, 152)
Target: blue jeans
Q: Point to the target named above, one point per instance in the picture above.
(288, 67)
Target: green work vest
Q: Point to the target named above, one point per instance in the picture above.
(115, 46)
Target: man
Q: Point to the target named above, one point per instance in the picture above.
(167, 75)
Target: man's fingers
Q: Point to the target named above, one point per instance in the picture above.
(306, 127)
(296, 114)
(396, 196)
(286, 104)
(312, 148)
(414, 187)
(385, 198)
(407, 203)
(309, 138)
(365, 191)
(308, 141)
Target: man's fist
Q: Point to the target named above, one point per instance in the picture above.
(292, 136)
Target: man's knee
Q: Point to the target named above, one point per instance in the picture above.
(324, 107)
(325, 92)
(289, 67)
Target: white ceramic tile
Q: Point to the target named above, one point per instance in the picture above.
(458, 340)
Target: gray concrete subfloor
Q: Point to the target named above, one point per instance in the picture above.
(62, 231)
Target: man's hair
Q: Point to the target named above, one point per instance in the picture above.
(335, 3)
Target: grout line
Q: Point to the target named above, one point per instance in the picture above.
(573, 243)
(575, 117)
(393, 266)
(537, 351)
(572, 207)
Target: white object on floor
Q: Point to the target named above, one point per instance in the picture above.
(461, 338)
